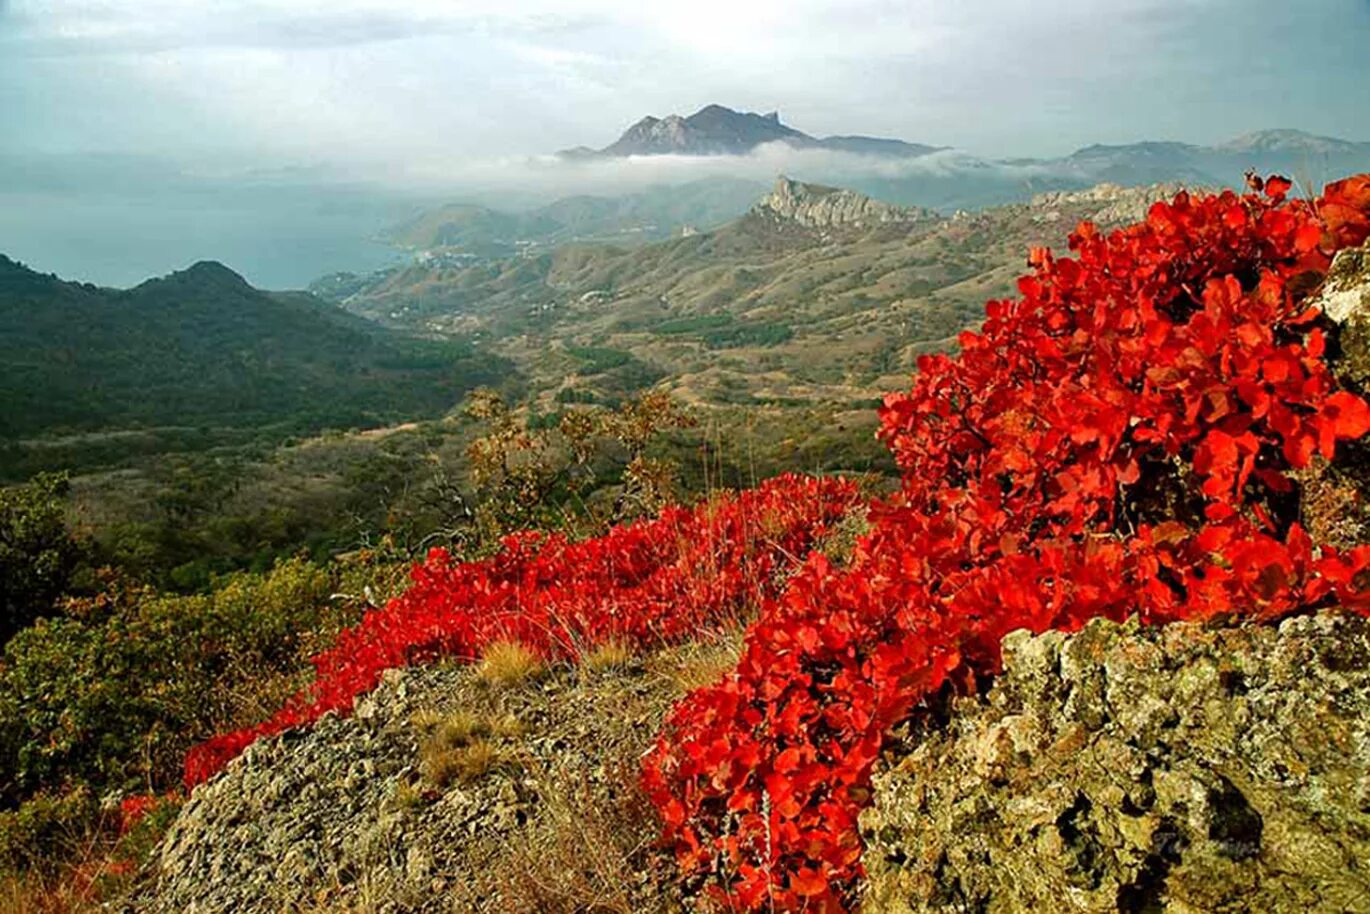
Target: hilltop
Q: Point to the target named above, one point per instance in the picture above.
(201, 348)
(480, 232)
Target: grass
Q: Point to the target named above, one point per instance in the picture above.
(698, 663)
(592, 853)
(461, 748)
(508, 663)
(31, 894)
(609, 657)
(464, 764)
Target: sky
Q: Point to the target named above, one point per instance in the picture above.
(128, 128)
(369, 83)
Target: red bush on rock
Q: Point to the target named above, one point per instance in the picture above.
(1118, 441)
(646, 583)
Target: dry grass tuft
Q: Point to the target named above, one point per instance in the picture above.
(609, 657)
(461, 747)
(691, 666)
(449, 731)
(29, 894)
(406, 797)
(462, 765)
(509, 663)
(592, 854)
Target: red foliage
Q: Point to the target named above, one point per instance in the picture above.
(646, 583)
(1116, 442)
(132, 809)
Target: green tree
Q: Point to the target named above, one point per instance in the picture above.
(38, 554)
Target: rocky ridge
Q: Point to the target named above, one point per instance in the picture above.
(820, 207)
(718, 130)
(1114, 204)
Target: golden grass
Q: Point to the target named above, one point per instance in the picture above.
(509, 663)
(592, 851)
(700, 663)
(462, 765)
(449, 731)
(609, 657)
(68, 892)
(462, 747)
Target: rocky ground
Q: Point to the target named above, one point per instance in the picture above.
(1178, 770)
(390, 810)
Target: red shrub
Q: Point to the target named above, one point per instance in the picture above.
(1116, 442)
(645, 583)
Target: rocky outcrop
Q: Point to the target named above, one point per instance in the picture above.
(716, 130)
(1175, 770)
(818, 207)
(348, 811)
(1345, 298)
(1110, 204)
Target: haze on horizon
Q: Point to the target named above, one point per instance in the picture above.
(137, 134)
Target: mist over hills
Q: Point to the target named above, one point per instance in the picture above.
(116, 219)
(739, 153)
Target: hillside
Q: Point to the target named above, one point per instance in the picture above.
(815, 294)
(202, 348)
(892, 171)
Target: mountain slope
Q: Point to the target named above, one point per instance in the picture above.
(202, 347)
(815, 294)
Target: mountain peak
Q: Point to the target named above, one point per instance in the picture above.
(1286, 140)
(202, 274)
(211, 271)
(719, 130)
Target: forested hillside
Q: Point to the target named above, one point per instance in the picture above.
(200, 351)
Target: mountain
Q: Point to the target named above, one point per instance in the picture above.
(948, 179)
(716, 130)
(901, 174)
(203, 348)
(1303, 156)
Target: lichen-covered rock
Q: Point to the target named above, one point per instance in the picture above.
(344, 816)
(1176, 770)
(1345, 298)
(1335, 497)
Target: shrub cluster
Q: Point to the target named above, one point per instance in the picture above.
(1121, 440)
(112, 693)
(644, 583)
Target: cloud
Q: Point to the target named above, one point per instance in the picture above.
(426, 84)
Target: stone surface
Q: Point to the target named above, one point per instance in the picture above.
(343, 812)
(1176, 770)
